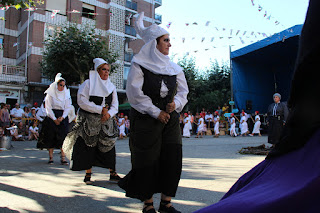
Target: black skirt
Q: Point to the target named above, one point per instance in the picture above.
(156, 157)
(275, 129)
(84, 157)
(52, 135)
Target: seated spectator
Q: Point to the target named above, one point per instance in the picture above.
(14, 132)
(33, 131)
(17, 113)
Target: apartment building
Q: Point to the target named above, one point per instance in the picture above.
(24, 31)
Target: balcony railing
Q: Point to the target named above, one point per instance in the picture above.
(132, 5)
(130, 30)
(158, 18)
(12, 74)
(158, 3)
(128, 57)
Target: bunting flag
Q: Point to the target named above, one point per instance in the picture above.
(195, 23)
(252, 2)
(5, 8)
(241, 40)
(187, 24)
(54, 13)
(207, 24)
(202, 39)
(168, 25)
(237, 32)
(212, 39)
(259, 8)
(30, 9)
(75, 11)
(265, 13)
(284, 38)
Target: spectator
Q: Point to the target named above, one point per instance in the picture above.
(208, 119)
(225, 108)
(17, 113)
(219, 110)
(5, 116)
(200, 124)
(127, 125)
(32, 113)
(26, 112)
(191, 117)
(216, 120)
(14, 132)
(35, 106)
(33, 131)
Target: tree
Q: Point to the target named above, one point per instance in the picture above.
(22, 3)
(71, 51)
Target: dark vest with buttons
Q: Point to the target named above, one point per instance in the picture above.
(152, 85)
(98, 100)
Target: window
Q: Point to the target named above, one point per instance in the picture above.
(88, 10)
(60, 5)
(1, 42)
(125, 76)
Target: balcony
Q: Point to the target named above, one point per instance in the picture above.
(128, 57)
(132, 5)
(12, 74)
(158, 18)
(130, 30)
(157, 3)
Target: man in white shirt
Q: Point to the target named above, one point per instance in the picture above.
(16, 113)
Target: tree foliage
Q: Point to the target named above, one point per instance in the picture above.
(71, 51)
(208, 88)
(21, 3)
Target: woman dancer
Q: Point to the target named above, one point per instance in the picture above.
(216, 120)
(257, 123)
(157, 91)
(92, 140)
(55, 125)
(187, 124)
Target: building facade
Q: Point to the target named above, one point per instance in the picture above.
(24, 31)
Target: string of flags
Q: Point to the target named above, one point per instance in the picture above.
(54, 12)
(266, 14)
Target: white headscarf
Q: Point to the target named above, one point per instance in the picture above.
(54, 92)
(99, 87)
(149, 56)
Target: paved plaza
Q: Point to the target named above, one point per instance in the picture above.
(29, 184)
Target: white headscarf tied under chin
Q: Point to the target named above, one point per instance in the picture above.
(149, 56)
(54, 92)
(99, 87)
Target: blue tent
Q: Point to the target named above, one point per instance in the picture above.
(263, 68)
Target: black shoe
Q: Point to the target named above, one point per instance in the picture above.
(50, 162)
(63, 161)
(87, 179)
(152, 210)
(114, 177)
(164, 209)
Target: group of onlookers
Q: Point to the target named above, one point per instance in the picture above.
(21, 124)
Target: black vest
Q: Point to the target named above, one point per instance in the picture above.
(98, 100)
(152, 85)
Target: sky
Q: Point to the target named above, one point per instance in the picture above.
(204, 29)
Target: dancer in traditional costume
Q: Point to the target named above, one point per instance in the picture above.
(233, 132)
(92, 140)
(216, 122)
(187, 125)
(201, 127)
(55, 126)
(257, 124)
(122, 127)
(244, 124)
(288, 179)
(157, 91)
